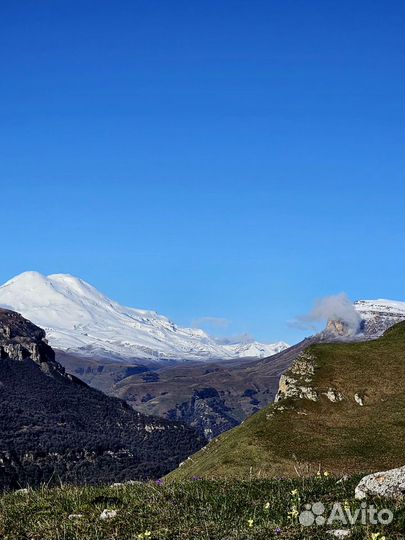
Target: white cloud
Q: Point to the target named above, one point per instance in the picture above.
(335, 307)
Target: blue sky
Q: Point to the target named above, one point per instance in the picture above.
(232, 159)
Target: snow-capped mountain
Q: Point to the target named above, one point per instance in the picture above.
(79, 319)
(378, 315)
(368, 319)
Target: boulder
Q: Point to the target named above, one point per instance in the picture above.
(340, 533)
(108, 514)
(389, 484)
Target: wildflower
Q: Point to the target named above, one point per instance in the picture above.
(250, 522)
(294, 512)
(267, 506)
(346, 505)
(159, 482)
(277, 531)
(377, 536)
(326, 473)
(295, 493)
(318, 473)
(146, 534)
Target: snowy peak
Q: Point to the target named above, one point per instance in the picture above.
(78, 318)
(372, 319)
(378, 315)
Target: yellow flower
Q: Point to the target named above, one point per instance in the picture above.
(146, 534)
(346, 505)
(250, 522)
(326, 473)
(267, 506)
(295, 492)
(318, 473)
(377, 536)
(294, 512)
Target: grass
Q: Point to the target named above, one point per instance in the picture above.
(305, 435)
(193, 510)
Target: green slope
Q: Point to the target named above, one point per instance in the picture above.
(302, 436)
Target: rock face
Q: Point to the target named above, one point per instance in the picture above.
(389, 484)
(338, 328)
(295, 383)
(53, 427)
(21, 340)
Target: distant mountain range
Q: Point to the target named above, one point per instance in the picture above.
(162, 369)
(79, 319)
(54, 428)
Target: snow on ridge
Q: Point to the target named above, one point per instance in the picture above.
(78, 318)
(366, 308)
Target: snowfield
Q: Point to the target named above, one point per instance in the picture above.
(78, 318)
(368, 308)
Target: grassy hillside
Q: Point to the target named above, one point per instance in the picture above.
(301, 436)
(197, 510)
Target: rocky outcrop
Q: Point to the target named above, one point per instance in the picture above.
(338, 328)
(21, 340)
(389, 484)
(333, 395)
(296, 382)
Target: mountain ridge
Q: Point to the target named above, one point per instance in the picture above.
(56, 428)
(80, 319)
